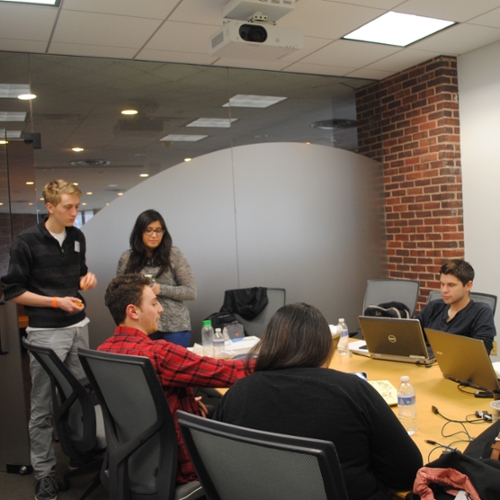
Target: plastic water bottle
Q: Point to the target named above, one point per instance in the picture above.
(407, 410)
(207, 338)
(343, 345)
(218, 344)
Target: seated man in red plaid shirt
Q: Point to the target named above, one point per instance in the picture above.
(136, 311)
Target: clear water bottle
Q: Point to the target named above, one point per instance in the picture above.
(343, 345)
(218, 344)
(407, 409)
(207, 338)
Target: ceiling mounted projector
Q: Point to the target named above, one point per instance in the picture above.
(265, 42)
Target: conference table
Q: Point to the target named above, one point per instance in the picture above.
(431, 389)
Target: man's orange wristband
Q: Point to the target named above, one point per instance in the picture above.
(54, 302)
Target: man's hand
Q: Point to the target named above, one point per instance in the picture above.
(88, 281)
(70, 304)
(203, 408)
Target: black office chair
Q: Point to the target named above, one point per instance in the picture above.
(140, 431)
(380, 291)
(234, 462)
(485, 298)
(77, 418)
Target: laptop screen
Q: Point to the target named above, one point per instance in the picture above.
(463, 359)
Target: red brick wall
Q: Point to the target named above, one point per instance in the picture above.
(410, 123)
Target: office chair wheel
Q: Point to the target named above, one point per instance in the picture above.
(63, 485)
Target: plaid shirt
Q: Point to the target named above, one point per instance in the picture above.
(178, 371)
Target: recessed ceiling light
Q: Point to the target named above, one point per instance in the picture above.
(89, 193)
(29, 183)
(129, 112)
(76, 150)
(75, 183)
(183, 138)
(12, 90)
(26, 97)
(4, 142)
(1, 204)
(187, 159)
(396, 28)
(212, 122)
(53, 3)
(12, 116)
(252, 101)
(119, 194)
(41, 199)
(84, 204)
(143, 175)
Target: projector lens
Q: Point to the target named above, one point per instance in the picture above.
(253, 33)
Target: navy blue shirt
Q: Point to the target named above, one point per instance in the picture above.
(475, 320)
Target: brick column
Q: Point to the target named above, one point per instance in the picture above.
(410, 123)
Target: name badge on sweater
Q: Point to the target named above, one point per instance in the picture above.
(77, 246)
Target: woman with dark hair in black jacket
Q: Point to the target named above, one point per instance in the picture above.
(293, 391)
(152, 254)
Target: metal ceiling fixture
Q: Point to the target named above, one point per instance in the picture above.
(90, 163)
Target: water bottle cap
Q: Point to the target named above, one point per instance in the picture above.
(341, 320)
(217, 330)
(207, 322)
(405, 378)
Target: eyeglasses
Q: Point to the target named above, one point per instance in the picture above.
(158, 232)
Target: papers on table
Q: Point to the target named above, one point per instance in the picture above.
(231, 348)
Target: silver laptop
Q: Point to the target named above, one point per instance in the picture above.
(394, 339)
(463, 360)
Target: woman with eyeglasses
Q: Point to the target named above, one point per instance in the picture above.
(152, 254)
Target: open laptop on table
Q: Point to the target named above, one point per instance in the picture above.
(463, 360)
(393, 339)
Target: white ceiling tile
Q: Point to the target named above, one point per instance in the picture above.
(310, 45)
(370, 73)
(21, 23)
(351, 54)
(172, 36)
(378, 4)
(61, 48)
(317, 69)
(452, 10)
(103, 29)
(459, 39)
(328, 20)
(491, 19)
(150, 9)
(22, 45)
(402, 60)
(204, 12)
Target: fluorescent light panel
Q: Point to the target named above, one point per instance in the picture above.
(252, 101)
(183, 138)
(54, 3)
(10, 134)
(12, 90)
(12, 116)
(212, 122)
(395, 28)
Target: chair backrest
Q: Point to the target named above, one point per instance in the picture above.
(140, 431)
(234, 462)
(380, 291)
(74, 409)
(276, 299)
(486, 298)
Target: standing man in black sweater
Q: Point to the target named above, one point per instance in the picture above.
(46, 270)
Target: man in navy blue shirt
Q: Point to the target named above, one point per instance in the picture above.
(456, 312)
